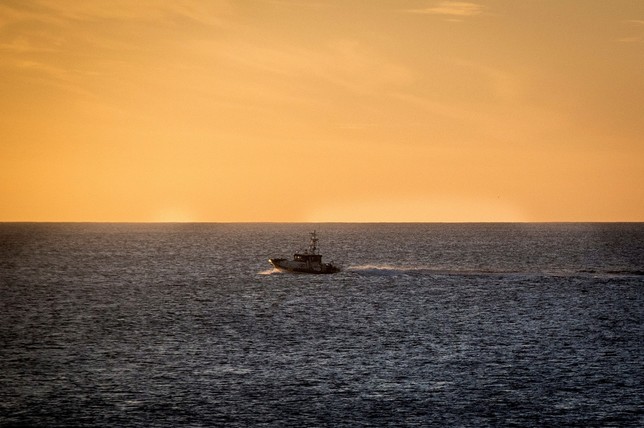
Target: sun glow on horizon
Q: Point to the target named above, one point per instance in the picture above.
(173, 214)
(446, 210)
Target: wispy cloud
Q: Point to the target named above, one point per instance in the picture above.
(78, 48)
(299, 3)
(342, 63)
(25, 45)
(454, 9)
(634, 38)
(212, 13)
(74, 29)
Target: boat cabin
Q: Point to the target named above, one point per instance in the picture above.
(307, 258)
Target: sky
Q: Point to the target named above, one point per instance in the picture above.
(322, 111)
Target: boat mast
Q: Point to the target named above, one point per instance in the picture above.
(313, 243)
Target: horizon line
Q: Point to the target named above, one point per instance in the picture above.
(322, 222)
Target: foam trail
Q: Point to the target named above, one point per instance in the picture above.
(390, 270)
(270, 271)
(383, 267)
(384, 270)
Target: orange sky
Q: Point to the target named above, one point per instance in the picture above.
(349, 110)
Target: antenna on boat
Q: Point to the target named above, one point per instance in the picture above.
(313, 243)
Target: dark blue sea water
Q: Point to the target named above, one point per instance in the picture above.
(428, 325)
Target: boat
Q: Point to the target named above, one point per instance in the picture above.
(308, 261)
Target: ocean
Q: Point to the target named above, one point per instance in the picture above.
(163, 325)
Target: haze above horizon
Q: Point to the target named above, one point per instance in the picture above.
(310, 111)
